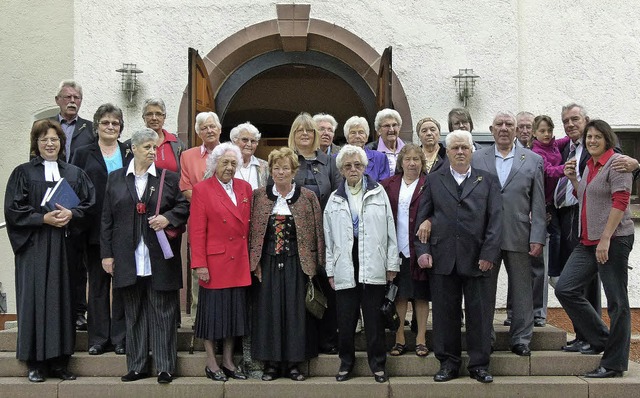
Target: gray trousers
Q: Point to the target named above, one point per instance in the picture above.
(150, 313)
(540, 288)
(518, 266)
(577, 273)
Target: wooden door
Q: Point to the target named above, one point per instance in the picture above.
(385, 76)
(200, 94)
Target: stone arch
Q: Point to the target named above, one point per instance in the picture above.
(294, 31)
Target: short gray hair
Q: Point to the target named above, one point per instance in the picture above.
(356, 121)
(246, 126)
(386, 114)
(524, 113)
(504, 113)
(143, 135)
(325, 117)
(217, 153)
(202, 117)
(350, 150)
(69, 83)
(572, 105)
(456, 134)
(154, 102)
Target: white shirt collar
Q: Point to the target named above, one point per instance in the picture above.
(132, 169)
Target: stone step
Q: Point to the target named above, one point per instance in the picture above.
(544, 338)
(541, 363)
(366, 387)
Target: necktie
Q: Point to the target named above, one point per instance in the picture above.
(564, 184)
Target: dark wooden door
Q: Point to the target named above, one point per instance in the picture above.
(200, 94)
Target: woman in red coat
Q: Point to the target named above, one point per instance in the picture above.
(219, 232)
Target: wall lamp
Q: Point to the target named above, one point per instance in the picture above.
(465, 84)
(129, 79)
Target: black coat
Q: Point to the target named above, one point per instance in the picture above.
(122, 227)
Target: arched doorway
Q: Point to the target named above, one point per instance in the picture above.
(269, 72)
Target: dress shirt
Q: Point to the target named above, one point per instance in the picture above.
(392, 156)
(404, 202)
(281, 207)
(143, 259)
(249, 173)
(228, 188)
(460, 177)
(68, 127)
(503, 165)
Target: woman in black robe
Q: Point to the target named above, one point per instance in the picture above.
(46, 330)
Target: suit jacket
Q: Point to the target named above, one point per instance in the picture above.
(465, 228)
(392, 186)
(524, 214)
(122, 227)
(89, 158)
(219, 233)
(82, 134)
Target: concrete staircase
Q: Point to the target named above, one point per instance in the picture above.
(547, 373)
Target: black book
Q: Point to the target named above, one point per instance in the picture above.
(62, 194)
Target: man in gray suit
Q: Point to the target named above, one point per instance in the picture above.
(520, 172)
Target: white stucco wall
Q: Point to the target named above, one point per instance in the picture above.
(533, 55)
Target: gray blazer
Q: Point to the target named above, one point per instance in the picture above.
(524, 213)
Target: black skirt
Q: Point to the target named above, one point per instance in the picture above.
(409, 288)
(221, 313)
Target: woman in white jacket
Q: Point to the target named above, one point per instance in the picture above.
(362, 255)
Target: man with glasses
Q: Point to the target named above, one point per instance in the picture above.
(79, 131)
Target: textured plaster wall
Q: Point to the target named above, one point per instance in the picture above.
(37, 44)
(533, 55)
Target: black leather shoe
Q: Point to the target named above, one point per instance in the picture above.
(62, 374)
(234, 374)
(573, 345)
(481, 375)
(120, 349)
(603, 373)
(521, 349)
(329, 349)
(507, 322)
(165, 378)
(343, 375)
(96, 349)
(380, 378)
(81, 323)
(588, 349)
(218, 375)
(35, 376)
(134, 376)
(539, 322)
(445, 374)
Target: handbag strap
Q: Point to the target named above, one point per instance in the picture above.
(164, 171)
(314, 285)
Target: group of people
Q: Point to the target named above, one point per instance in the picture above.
(435, 219)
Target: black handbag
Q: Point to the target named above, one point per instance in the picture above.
(315, 301)
(388, 308)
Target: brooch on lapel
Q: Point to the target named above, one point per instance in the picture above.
(478, 179)
(522, 158)
(245, 200)
(127, 152)
(83, 126)
(152, 188)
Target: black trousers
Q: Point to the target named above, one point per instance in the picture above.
(76, 257)
(348, 303)
(105, 318)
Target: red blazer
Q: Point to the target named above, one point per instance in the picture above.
(219, 233)
(392, 186)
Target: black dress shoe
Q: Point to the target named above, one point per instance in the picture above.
(62, 374)
(343, 375)
(165, 378)
(521, 349)
(96, 349)
(134, 376)
(574, 345)
(380, 378)
(481, 375)
(329, 349)
(120, 349)
(539, 322)
(81, 323)
(445, 374)
(218, 375)
(588, 349)
(35, 376)
(507, 322)
(603, 373)
(234, 374)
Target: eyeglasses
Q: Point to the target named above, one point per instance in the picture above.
(390, 126)
(303, 130)
(152, 114)
(357, 166)
(246, 140)
(326, 129)
(45, 141)
(70, 97)
(106, 123)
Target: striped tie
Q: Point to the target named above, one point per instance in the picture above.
(564, 184)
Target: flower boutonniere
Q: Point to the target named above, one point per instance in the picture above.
(83, 126)
(245, 200)
(127, 152)
(522, 158)
(478, 179)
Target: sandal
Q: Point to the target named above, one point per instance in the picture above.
(422, 350)
(296, 375)
(398, 350)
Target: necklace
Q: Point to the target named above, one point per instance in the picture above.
(107, 151)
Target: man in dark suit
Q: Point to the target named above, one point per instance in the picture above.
(520, 172)
(464, 206)
(79, 132)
